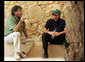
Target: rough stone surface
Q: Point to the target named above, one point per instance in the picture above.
(74, 17)
(37, 13)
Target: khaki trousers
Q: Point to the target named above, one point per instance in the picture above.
(19, 44)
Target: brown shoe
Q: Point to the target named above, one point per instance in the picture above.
(22, 55)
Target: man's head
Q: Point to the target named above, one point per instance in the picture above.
(17, 11)
(56, 14)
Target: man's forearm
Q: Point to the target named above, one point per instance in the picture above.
(60, 33)
(63, 32)
(17, 27)
(25, 32)
(46, 30)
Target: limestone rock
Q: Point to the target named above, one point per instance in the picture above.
(35, 13)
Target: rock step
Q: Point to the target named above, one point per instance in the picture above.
(34, 59)
(36, 52)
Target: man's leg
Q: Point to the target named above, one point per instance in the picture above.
(26, 46)
(8, 39)
(58, 40)
(65, 41)
(45, 40)
(14, 38)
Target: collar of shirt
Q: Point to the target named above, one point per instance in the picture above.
(57, 20)
(15, 17)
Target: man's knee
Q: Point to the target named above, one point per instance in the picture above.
(31, 41)
(45, 35)
(7, 40)
(17, 33)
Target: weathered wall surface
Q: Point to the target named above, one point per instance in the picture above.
(37, 13)
(74, 16)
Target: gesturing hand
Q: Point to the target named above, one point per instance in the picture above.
(22, 19)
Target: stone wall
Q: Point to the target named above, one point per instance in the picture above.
(37, 13)
(74, 17)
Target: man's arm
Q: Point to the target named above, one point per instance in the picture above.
(53, 33)
(16, 28)
(46, 30)
(59, 33)
(25, 32)
(49, 32)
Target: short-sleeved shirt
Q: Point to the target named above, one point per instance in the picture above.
(11, 22)
(59, 25)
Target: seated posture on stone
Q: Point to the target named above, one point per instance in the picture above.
(54, 32)
(15, 25)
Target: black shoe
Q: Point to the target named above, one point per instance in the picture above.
(45, 55)
(67, 45)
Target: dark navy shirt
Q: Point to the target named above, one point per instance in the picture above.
(59, 25)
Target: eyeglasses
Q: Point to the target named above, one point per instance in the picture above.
(54, 14)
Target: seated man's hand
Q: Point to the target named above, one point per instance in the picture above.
(57, 33)
(52, 33)
(28, 37)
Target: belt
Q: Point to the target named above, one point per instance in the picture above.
(5, 35)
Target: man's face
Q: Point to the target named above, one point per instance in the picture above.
(18, 13)
(55, 16)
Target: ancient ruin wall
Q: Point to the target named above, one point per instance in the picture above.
(37, 13)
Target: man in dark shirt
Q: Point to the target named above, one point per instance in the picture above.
(54, 32)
